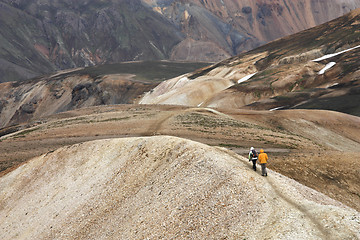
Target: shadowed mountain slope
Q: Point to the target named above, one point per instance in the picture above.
(161, 187)
(44, 36)
(245, 24)
(316, 68)
(40, 37)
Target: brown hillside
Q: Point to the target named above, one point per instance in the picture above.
(316, 148)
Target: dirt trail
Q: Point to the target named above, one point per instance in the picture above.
(154, 128)
(288, 200)
(317, 224)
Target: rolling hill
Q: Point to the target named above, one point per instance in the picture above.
(316, 148)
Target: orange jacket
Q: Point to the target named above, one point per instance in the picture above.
(263, 157)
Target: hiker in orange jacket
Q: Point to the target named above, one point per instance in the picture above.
(263, 157)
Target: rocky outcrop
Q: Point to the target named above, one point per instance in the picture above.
(121, 83)
(162, 187)
(35, 100)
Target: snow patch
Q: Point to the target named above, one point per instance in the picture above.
(246, 78)
(277, 108)
(327, 67)
(152, 44)
(332, 85)
(334, 54)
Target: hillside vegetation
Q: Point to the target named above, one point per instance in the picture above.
(316, 148)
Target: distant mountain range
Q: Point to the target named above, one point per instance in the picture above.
(317, 68)
(38, 37)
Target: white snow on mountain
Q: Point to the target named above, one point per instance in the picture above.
(333, 54)
(277, 108)
(327, 67)
(246, 77)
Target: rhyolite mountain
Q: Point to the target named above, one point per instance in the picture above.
(317, 68)
(38, 37)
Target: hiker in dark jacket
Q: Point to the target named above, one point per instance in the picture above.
(253, 156)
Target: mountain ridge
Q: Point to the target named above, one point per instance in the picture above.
(314, 147)
(291, 72)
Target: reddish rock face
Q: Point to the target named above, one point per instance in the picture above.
(235, 26)
(57, 35)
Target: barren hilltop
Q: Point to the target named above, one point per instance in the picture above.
(162, 188)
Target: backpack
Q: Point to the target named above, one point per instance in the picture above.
(254, 154)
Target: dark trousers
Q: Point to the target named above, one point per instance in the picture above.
(263, 169)
(254, 164)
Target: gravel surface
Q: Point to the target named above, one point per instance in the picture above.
(162, 188)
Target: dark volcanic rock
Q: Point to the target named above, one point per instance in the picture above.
(246, 10)
(121, 83)
(2, 104)
(44, 37)
(28, 108)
